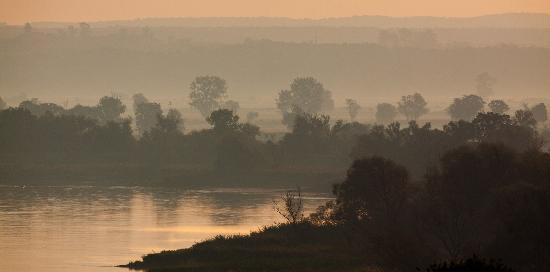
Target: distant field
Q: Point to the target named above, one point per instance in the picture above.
(269, 119)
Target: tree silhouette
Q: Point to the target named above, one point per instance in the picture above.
(307, 95)
(207, 93)
(290, 206)
(147, 116)
(223, 120)
(353, 108)
(138, 99)
(39, 109)
(3, 104)
(110, 108)
(374, 189)
(525, 118)
(173, 120)
(385, 113)
(412, 106)
(466, 108)
(540, 113)
(458, 196)
(498, 106)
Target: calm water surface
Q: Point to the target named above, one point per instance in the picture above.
(95, 228)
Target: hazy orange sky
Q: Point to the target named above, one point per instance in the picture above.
(20, 11)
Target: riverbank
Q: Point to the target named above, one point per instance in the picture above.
(188, 176)
(285, 247)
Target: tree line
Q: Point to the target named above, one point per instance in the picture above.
(39, 132)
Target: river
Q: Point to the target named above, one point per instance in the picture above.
(87, 228)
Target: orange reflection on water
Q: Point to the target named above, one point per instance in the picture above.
(93, 228)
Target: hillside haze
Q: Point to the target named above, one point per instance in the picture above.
(509, 20)
(366, 57)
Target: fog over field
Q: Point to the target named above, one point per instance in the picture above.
(369, 58)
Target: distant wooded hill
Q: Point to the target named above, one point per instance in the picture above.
(257, 71)
(507, 20)
(366, 57)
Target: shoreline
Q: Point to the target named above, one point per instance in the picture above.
(107, 174)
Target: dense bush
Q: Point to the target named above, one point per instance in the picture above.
(484, 199)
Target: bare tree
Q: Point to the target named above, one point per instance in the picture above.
(291, 206)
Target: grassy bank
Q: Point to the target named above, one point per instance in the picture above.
(285, 247)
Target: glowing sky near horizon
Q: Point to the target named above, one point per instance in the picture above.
(21, 11)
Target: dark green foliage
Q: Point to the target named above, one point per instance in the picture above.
(403, 145)
(466, 108)
(62, 138)
(375, 189)
(456, 206)
(223, 120)
(40, 109)
(235, 152)
(373, 204)
(85, 111)
(235, 144)
(163, 144)
(147, 116)
(108, 109)
(313, 145)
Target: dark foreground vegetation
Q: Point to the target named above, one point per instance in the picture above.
(286, 247)
(478, 200)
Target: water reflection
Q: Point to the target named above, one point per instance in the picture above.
(92, 228)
